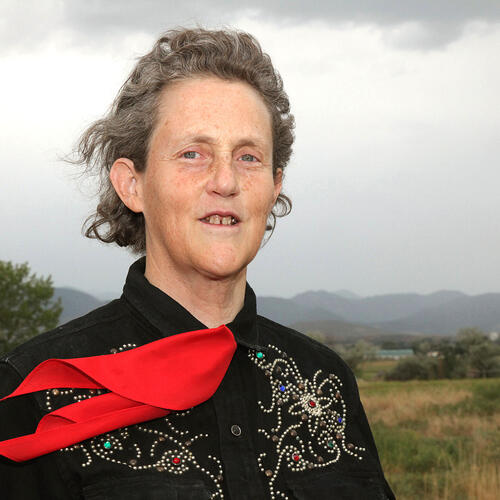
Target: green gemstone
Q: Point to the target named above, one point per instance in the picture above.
(330, 444)
(260, 355)
(107, 445)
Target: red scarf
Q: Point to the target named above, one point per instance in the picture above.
(148, 382)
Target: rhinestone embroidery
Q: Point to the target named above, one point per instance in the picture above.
(315, 407)
(164, 447)
(316, 437)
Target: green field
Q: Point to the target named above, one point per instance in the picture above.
(437, 439)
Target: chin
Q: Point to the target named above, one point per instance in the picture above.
(221, 268)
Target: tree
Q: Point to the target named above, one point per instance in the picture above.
(452, 359)
(422, 346)
(468, 337)
(484, 359)
(26, 305)
(483, 355)
(472, 354)
(357, 353)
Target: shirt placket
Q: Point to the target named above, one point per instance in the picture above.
(232, 405)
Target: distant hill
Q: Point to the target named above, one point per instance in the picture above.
(286, 311)
(341, 332)
(481, 311)
(75, 303)
(376, 309)
(347, 294)
(106, 296)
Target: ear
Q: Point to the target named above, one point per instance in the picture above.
(278, 181)
(127, 183)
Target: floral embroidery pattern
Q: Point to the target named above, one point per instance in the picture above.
(159, 444)
(317, 411)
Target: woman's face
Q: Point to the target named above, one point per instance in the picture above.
(210, 156)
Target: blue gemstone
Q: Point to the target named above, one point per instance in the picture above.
(339, 420)
(282, 388)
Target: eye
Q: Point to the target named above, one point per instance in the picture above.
(249, 157)
(190, 155)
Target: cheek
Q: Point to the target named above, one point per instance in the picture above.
(167, 196)
(159, 203)
(260, 194)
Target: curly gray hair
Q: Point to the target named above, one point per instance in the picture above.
(126, 130)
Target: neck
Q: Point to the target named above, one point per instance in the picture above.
(214, 302)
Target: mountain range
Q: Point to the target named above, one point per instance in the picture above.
(344, 314)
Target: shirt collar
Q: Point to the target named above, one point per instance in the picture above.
(169, 317)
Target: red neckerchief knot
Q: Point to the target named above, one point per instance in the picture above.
(148, 382)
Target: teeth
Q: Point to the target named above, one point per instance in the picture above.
(217, 219)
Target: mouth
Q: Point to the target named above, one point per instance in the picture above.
(220, 219)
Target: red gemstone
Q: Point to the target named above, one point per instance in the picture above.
(296, 457)
(176, 460)
(312, 403)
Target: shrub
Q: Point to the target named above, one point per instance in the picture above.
(414, 367)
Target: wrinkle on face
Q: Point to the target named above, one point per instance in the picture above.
(220, 121)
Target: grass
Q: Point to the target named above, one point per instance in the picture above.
(437, 439)
(371, 370)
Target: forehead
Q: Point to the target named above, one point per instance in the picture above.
(213, 107)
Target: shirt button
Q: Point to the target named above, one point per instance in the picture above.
(236, 430)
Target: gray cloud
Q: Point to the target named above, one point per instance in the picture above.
(394, 177)
(423, 24)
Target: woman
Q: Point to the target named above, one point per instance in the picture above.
(191, 159)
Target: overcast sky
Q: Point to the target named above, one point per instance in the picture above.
(395, 176)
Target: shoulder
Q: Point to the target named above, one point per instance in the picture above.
(83, 336)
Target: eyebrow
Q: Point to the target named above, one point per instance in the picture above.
(245, 141)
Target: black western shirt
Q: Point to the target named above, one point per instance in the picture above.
(285, 423)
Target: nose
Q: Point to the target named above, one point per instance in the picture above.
(224, 176)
